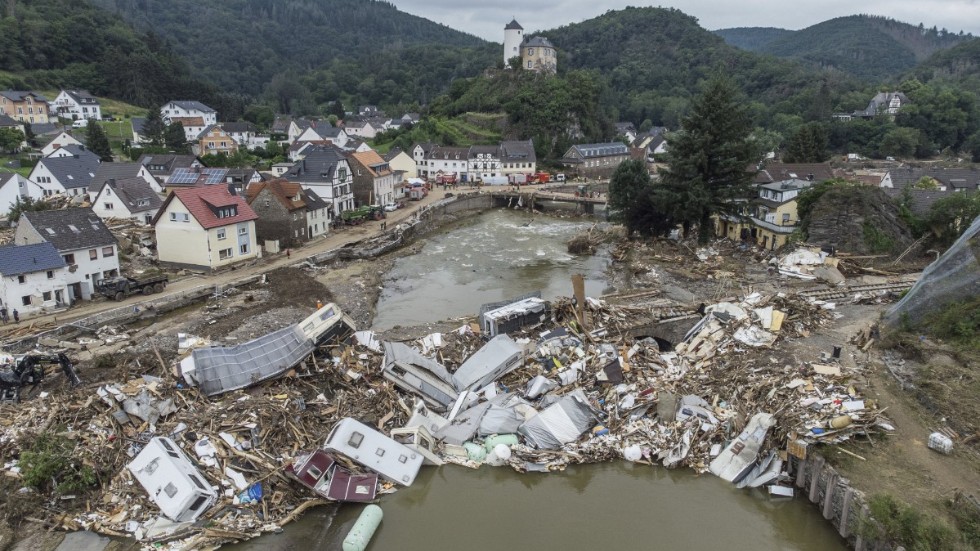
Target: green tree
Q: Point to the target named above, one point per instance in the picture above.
(98, 142)
(900, 142)
(709, 159)
(25, 204)
(261, 115)
(630, 196)
(154, 127)
(808, 145)
(11, 139)
(951, 216)
(175, 138)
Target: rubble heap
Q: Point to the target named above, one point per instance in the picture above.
(583, 391)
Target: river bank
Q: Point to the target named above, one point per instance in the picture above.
(653, 266)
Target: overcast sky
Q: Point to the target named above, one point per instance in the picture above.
(486, 19)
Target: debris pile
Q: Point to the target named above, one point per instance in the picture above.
(576, 388)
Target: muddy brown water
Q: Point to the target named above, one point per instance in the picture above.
(498, 255)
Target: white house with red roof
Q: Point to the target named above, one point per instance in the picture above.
(205, 228)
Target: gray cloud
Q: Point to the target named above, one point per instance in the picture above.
(487, 19)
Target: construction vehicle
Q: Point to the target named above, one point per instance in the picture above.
(120, 287)
(28, 370)
(362, 214)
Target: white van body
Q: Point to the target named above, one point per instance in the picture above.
(80, 123)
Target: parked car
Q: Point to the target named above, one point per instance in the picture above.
(80, 123)
(392, 207)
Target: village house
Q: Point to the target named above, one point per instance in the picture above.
(539, 54)
(196, 176)
(244, 133)
(24, 106)
(69, 151)
(941, 179)
(401, 162)
(121, 171)
(419, 153)
(779, 172)
(374, 181)
(76, 105)
(128, 198)
(214, 140)
(445, 161)
(238, 179)
(13, 186)
(362, 128)
(59, 141)
(287, 213)
(483, 162)
(176, 110)
(193, 127)
(8, 122)
(327, 172)
(69, 175)
(83, 241)
(770, 218)
(205, 228)
(517, 157)
(139, 135)
(320, 132)
(162, 166)
(595, 160)
(32, 279)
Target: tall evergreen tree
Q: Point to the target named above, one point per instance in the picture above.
(98, 142)
(175, 138)
(630, 193)
(154, 127)
(808, 145)
(709, 159)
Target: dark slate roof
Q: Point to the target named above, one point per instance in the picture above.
(445, 153)
(483, 150)
(280, 124)
(921, 199)
(113, 171)
(82, 97)
(133, 190)
(71, 229)
(391, 154)
(539, 42)
(952, 178)
(238, 127)
(517, 151)
(318, 165)
(44, 128)
(513, 25)
(20, 95)
(590, 150)
(188, 105)
(313, 201)
(169, 162)
(138, 123)
(74, 149)
(8, 121)
(22, 259)
(73, 172)
(777, 172)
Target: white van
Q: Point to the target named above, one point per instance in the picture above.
(560, 177)
(80, 123)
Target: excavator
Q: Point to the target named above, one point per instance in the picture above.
(28, 371)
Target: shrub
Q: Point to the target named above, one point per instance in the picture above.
(898, 523)
(49, 465)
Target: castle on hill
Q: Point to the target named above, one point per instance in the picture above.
(536, 54)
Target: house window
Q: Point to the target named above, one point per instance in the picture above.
(25, 300)
(69, 258)
(243, 230)
(46, 296)
(108, 206)
(173, 216)
(221, 234)
(244, 248)
(224, 254)
(785, 218)
(108, 251)
(21, 279)
(50, 274)
(93, 254)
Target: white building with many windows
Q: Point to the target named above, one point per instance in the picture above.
(76, 105)
(32, 279)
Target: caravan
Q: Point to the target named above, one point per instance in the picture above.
(374, 450)
(173, 482)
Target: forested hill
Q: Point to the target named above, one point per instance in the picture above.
(870, 47)
(959, 65)
(241, 45)
(752, 39)
(55, 43)
(655, 58)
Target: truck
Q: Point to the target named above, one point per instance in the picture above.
(518, 179)
(362, 214)
(120, 287)
(542, 178)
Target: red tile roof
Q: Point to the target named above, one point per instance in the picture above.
(200, 200)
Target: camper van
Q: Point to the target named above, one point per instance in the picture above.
(497, 358)
(374, 450)
(327, 325)
(413, 372)
(320, 472)
(173, 482)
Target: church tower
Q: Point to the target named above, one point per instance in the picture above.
(513, 36)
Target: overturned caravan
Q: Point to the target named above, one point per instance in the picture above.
(221, 369)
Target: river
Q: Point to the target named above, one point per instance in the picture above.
(502, 254)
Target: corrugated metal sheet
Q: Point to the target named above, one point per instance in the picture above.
(233, 367)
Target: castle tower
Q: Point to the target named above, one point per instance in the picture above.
(513, 36)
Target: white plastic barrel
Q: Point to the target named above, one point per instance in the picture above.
(362, 532)
(941, 443)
